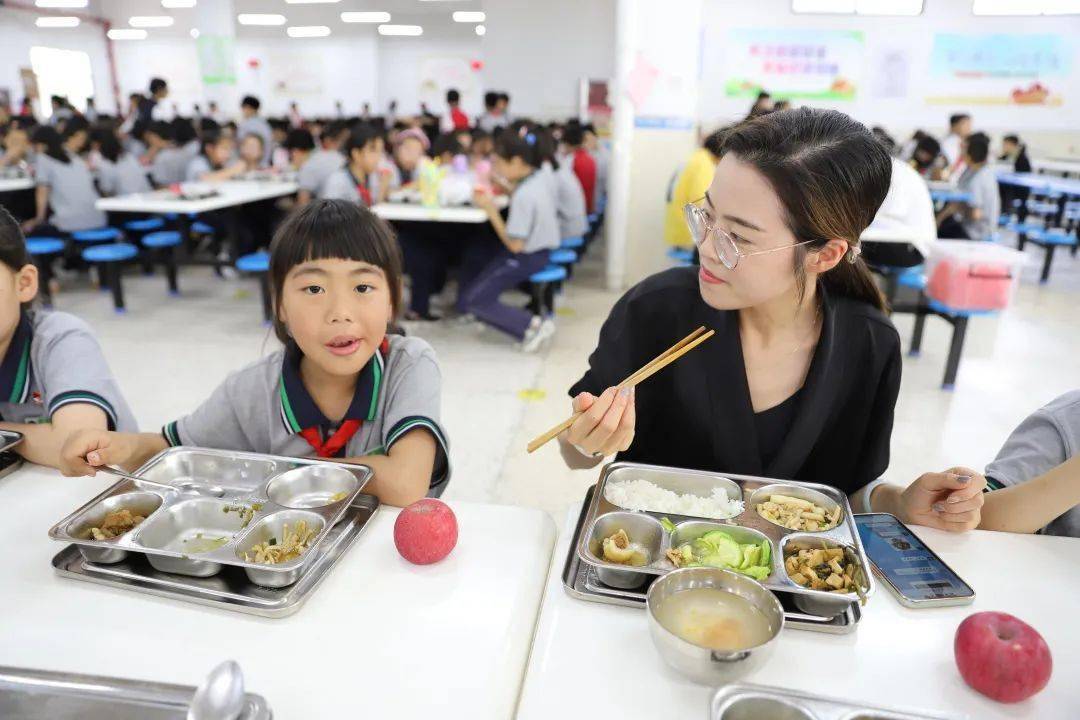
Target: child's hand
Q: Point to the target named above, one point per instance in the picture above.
(87, 450)
(482, 200)
(951, 500)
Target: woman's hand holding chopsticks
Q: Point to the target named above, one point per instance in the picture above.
(605, 424)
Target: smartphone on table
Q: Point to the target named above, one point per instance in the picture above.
(912, 571)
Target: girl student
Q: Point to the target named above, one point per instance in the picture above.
(363, 152)
(213, 163)
(64, 185)
(53, 377)
(342, 387)
(529, 233)
(118, 172)
(801, 379)
(565, 188)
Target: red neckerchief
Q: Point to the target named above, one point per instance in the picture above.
(362, 188)
(341, 437)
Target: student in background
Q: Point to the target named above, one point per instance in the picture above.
(1034, 481)
(213, 163)
(91, 113)
(279, 154)
(952, 146)
(61, 111)
(185, 137)
(690, 186)
(76, 135)
(166, 161)
(907, 150)
(17, 148)
(566, 192)
(53, 376)
(445, 148)
(118, 172)
(528, 235)
(1015, 152)
(482, 145)
(905, 222)
(410, 147)
(926, 158)
(214, 113)
(455, 118)
(364, 151)
(976, 218)
(323, 163)
(252, 152)
(300, 145)
(502, 107)
(150, 106)
(343, 387)
(296, 120)
(581, 161)
(254, 124)
(492, 117)
(64, 185)
(591, 143)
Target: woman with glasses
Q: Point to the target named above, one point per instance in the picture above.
(802, 376)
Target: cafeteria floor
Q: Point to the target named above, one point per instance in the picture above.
(169, 353)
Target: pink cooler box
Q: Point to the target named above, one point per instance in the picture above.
(966, 275)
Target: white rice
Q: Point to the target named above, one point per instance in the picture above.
(644, 495)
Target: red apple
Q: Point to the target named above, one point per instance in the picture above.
(426, 531)
(1001, 656)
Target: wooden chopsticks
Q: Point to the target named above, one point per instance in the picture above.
(654, 366)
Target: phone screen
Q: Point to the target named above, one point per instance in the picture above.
(912, 568)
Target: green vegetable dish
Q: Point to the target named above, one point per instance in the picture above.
(719, 550)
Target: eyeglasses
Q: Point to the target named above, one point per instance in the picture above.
(727, 251)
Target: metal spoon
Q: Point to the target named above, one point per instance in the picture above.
(207, 490)
(221, 694)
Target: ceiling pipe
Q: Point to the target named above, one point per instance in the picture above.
(114, 80)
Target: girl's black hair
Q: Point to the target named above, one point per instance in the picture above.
(75, 124)
(163, 130)
(361, 135)
(528, 147)
(54, 146)
(13, 252)
(183, 131)
(831, 176)
(211, 138)
(108, 144)
(446, 143)
(333, 229)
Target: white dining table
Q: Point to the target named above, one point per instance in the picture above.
(16, 184)
(1065, 167)
(414, 212)
(379, 638)
(591, 660)
(229, 194)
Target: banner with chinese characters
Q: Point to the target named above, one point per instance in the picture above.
(999, 69)
(800, 64)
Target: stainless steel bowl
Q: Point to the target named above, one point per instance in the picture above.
(760, 707)
(820, 602)
(642, 529)
(311, 486)
(701, 664)
(803, 493)
(273, 526)
(183, 528)
(144, 502)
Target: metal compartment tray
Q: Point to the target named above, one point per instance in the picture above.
(743, 701)
(747, 526)
(580, 581)
(231, 589)
(45, 695)
(205, 509)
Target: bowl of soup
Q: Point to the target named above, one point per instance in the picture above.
(712, 625)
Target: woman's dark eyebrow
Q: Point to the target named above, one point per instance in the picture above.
(745, 223)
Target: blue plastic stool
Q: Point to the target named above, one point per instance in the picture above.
(1050, 239)
(43, 250)
(99, 235)
(681, 256)
(542, 285)
(563, 256)
(145, 225)
(110, 259)
(258, 263)
(165, 242)
(572, 243)
(200, 228)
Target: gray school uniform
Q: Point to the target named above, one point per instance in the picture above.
(257, 125)
(343, 186)
(196, 168)
(320, 166)
(53, 361)
(1045, 439)
(983, 186)
(569, 200)
(169, 166)
(123, 177)
(532, 216)
(265, 408)
(71, 193)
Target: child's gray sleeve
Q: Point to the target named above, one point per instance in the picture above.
(217, 422)
(414, 391)
(520, 221)
(1036, 446)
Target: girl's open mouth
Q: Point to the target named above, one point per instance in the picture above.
(343, 345)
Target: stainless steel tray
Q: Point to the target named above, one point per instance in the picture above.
(44, 695)
(231, 589)
(9, 460)
(743, 700)
(581, 581)
(748, 524)
(205, 508)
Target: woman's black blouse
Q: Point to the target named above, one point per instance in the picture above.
(697, 413)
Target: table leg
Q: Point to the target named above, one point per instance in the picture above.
(169, 255)
(956, 347)
(917, 333)
(1021, 240)
(113, 273)
(1049, 258)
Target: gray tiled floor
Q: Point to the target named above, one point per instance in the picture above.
(169, 353)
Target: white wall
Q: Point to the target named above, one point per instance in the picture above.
(401, 62)
(538, 51)
(18, 34)
(916, 35)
